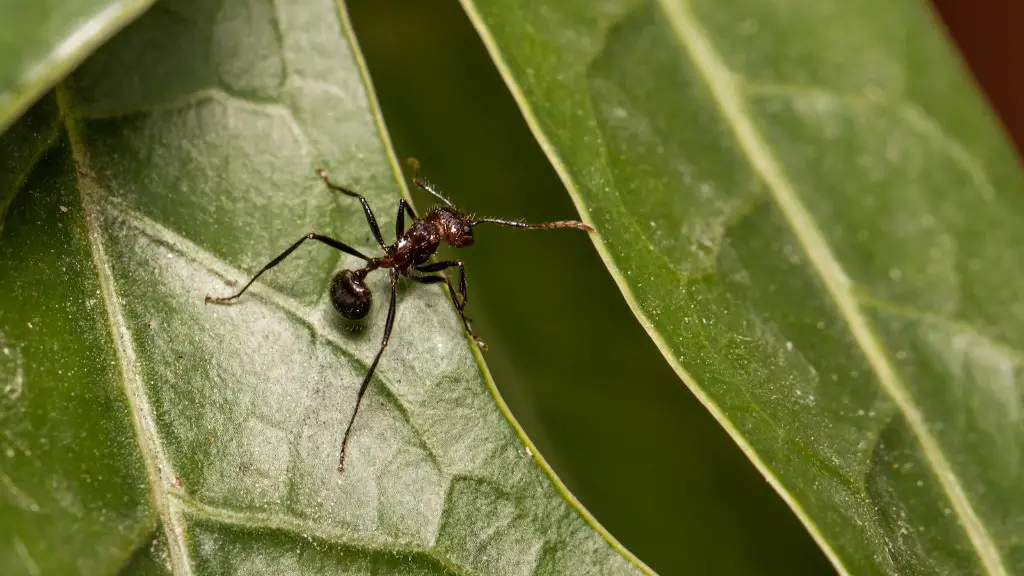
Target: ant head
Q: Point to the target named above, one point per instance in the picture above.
(458, 228)
(350, 296)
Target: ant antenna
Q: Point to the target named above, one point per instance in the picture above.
(542, 226)
(423, 184)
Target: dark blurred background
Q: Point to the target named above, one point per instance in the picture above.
(574, 365)
(990, 36)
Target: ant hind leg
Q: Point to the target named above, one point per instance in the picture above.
(280, 257)
(388, 324)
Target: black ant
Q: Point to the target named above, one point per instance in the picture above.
(408, 257)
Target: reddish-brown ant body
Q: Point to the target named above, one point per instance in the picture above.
(407, 256)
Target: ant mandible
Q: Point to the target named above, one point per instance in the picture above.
(408, 257)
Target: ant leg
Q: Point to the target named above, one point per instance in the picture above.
(428, 279)
(369, 374)
(403, 209)
(459, 306)
(370, 219)
(444, 265)
(311, 236)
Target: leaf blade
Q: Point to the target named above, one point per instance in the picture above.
(190, 179)
(828, 267)
(616, 129)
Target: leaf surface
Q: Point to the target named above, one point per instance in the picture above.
(145, 431)
(818, 220)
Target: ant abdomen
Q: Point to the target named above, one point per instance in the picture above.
(350, 296)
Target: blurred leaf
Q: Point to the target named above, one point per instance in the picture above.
(42, 41)
(818, 221)
(143, 430)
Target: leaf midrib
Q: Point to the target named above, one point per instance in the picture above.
(159, 471)
(721, 82)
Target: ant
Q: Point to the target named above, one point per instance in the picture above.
(408, 256)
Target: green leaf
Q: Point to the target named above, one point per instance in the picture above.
(41, 42)
(817, 219)
(145, 431)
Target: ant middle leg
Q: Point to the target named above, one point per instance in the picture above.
(388, 324)
(370, 219)
(311, 236)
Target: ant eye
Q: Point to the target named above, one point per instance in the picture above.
(467, 230)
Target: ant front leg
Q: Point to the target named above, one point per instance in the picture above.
(370, 219)
(424, 185)
(460, 307)
(444, 265)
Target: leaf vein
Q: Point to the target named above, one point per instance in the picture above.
(912, 114)
(926, 316)
(159, 471)
(287, 524)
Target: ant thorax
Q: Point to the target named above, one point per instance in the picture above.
(417, 244)
(420, 241)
